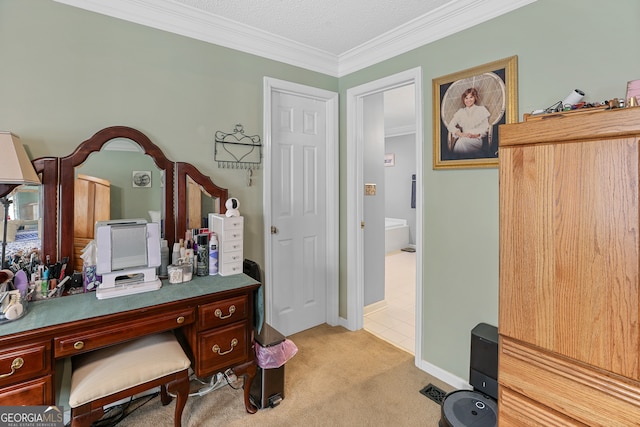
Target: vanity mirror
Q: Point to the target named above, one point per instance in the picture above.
(85, 198)
(33, 227)
(62, 211)
(197, 196)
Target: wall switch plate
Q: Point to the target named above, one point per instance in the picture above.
(369, 189)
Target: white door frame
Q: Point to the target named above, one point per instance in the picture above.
(355, 186)
(332, 199)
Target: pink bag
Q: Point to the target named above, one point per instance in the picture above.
(276, 355)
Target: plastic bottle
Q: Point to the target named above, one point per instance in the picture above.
(164, 258)
(175, 257)
(190, 256)
(213, 254)
(45, 284)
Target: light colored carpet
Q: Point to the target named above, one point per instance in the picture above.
(338, 378)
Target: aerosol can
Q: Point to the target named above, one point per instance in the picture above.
(213, 254)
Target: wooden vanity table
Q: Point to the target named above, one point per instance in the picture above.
(212, 316)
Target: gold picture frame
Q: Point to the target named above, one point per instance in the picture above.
(496, 90)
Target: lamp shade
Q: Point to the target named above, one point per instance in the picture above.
(15, 166)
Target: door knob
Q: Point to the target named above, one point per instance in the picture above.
(274, 229)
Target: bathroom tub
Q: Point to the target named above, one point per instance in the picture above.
(396, 234)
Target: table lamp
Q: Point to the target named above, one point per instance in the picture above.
(15, 169)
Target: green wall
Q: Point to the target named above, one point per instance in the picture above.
(561, 45)
(67, 73)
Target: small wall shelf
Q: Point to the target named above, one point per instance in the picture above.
(236, 150)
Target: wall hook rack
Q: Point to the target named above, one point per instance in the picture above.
(236, 150)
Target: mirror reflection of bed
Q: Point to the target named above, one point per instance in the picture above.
(24, 224)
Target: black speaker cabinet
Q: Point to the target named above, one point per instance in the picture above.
(483, 375)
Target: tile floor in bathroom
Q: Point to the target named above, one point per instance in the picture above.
(395, 321)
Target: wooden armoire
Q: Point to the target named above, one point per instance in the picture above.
(569, 305)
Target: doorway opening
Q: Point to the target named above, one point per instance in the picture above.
(357, 226)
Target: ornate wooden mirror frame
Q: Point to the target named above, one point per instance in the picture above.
(82, 152)
(185, 171)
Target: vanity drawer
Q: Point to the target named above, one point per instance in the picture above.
(80, 342)
(230, 268)
(233, 223)
(221, 313)
(35, 392)
(229, 257)
(222, 348)
(18, 364)
(230, 245)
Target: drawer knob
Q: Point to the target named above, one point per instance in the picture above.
(216, 348)
(78, 345)
(16, 364)
(218, 312)
(180, 320)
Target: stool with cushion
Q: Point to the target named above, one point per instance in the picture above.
(104, 376)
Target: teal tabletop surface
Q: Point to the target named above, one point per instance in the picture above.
(72, 308)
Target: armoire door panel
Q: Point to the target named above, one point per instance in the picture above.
(576, 207)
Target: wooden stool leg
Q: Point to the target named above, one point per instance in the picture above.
(248, 371)
(180, 387)
(164, 396)
(85, 415)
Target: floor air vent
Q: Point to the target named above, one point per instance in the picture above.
(434, 393)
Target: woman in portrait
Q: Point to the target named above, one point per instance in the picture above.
(469, 125)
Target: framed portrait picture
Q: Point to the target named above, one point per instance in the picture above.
(141, 179)
(468, 107)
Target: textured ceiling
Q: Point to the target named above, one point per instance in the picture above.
(334, 26)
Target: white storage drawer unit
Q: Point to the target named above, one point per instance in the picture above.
(230, 232)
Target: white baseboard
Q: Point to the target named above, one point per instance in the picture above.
(447, 377)
(368, 309)
(342, 321)
(431, 369)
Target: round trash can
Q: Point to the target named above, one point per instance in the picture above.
(465, 408)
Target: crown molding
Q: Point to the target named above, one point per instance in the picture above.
(194, 23)
(399, 130)
(451, 18)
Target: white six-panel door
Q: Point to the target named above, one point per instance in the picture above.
(300, 236)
